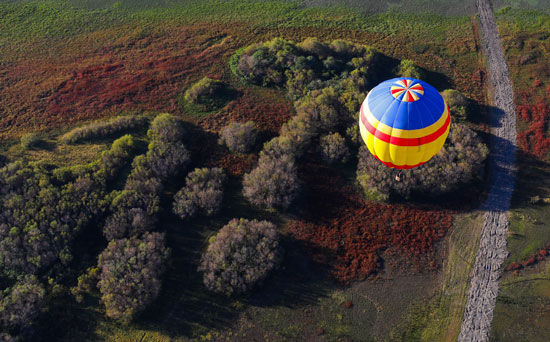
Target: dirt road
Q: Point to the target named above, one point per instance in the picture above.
(492, 252)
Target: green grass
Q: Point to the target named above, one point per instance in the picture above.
(522, 311)
(52, 19)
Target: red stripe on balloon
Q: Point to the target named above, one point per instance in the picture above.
(404, 141)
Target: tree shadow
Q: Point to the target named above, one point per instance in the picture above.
(532, 179)
(299, 282)
(386, 68)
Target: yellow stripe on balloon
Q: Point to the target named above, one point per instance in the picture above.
(402, 155)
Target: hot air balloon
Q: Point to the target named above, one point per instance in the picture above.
(404, 122)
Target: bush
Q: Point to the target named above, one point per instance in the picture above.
(103, 129)
(407, 68)
(29, 140)
(133, 213)
(165, 128)
(21, 304)
(165, 159)
(130, 271)
(321, 107)
(239, 137)
(117, 156)
(203, 192)
(241, 254)
(458, 104)
(202, 91)
(273, 183)
(333, 148)
(458, 162)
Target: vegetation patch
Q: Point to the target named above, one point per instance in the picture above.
(103, 129)
(348, 235)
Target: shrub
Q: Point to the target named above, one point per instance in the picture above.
(102, 129)
(333, 148)
(239, 137)
(312, 46)
(165, 128)
(273, 183)
(21, 304)
(117, 156)
(241, 254)
(202, 91)
(165, 159)
(29, 140)
(321, 107)
(203, 192)
(407, 68)
(133, 213)
(130, 271)
(458, 162)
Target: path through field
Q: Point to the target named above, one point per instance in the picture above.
(492, 251)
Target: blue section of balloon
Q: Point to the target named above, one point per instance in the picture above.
(396, 113)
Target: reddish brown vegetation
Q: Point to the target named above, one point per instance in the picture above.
(266, 108)
(347, 234)
(542, 254)
(535, 139)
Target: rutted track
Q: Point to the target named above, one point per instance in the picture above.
(492, 251)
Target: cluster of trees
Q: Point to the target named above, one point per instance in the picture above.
(43, 210)
(203, 192)
(104, 128)
(239, 137)
(241, 254)
(329, 82)
(460, 161)
(128, 287)
(305, 66)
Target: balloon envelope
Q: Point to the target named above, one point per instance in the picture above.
(404, 122)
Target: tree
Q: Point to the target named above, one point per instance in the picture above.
(203, 191)
(407, 68)
(165, 159)
(273, 183)
(130, 271)
(21, 304)
(239, 137)
(333, 148)
(241, 254)
(165, 128)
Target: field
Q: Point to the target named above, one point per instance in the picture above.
(404, 279)
(521, 307)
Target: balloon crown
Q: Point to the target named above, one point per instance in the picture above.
(407, 90)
